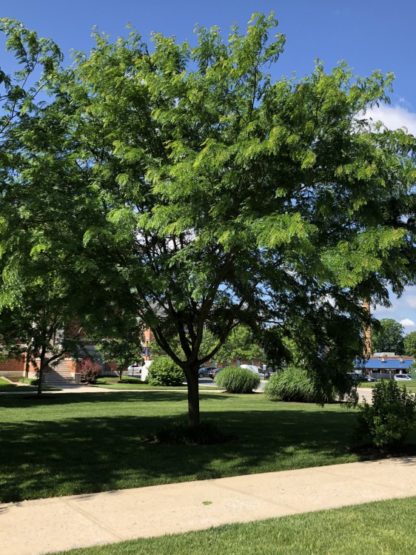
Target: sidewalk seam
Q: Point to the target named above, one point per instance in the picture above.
(93, 519)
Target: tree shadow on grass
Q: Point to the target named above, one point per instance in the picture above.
(29, 399)
(82, 455)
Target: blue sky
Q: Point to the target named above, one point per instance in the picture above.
(368, 34)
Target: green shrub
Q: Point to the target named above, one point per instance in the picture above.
(163, 371)
(293, 384)
(89, 370)
(386, 423)
(237, 380)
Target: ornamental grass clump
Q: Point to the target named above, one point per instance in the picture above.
(163, 371)
(294, 384)
(386, 423)
(237, 380)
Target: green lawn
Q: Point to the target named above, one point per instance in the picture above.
(76, 443)
(386, 527)
(5, 385)
(135, 383)
(410, 385)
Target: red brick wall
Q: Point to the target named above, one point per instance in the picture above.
(12, 365)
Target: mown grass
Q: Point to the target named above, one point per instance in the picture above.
(110, 382)
(6, 386)
(78, 443)
(386, 527)
(410, 385)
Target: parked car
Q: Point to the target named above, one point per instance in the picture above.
(204, 371)
(251, 367)
(134, 369)
(368, 378)
(402, 378)
(356, 377)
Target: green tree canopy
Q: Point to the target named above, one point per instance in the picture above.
(45, 212)
(241, 345)
(36, 255)
(409, 343)
(219, 196)
(388, 337)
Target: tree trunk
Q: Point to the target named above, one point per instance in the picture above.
(27, 362)
(40, 379)
(41, 368)
(193, 396)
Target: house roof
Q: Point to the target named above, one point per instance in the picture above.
(387, 363)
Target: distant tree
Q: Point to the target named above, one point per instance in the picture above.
(241, 345)
(121, 351)
(410, 344)
(388, 336)
(34, 325)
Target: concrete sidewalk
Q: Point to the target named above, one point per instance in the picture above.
(61, 523)
(365, 393)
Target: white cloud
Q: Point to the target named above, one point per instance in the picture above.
(402, 308)
(407, 323)
(411, 301)
(393, 117)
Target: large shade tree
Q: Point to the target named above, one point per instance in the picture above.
(388, 336)
(45, 280)
(219, 195)
(34, 290)
(228, 197)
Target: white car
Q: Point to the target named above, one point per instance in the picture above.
(251, 367)
(144, 371)
(134, 370)
(402, 378)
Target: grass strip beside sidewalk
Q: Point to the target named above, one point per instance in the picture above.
(387, 527)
